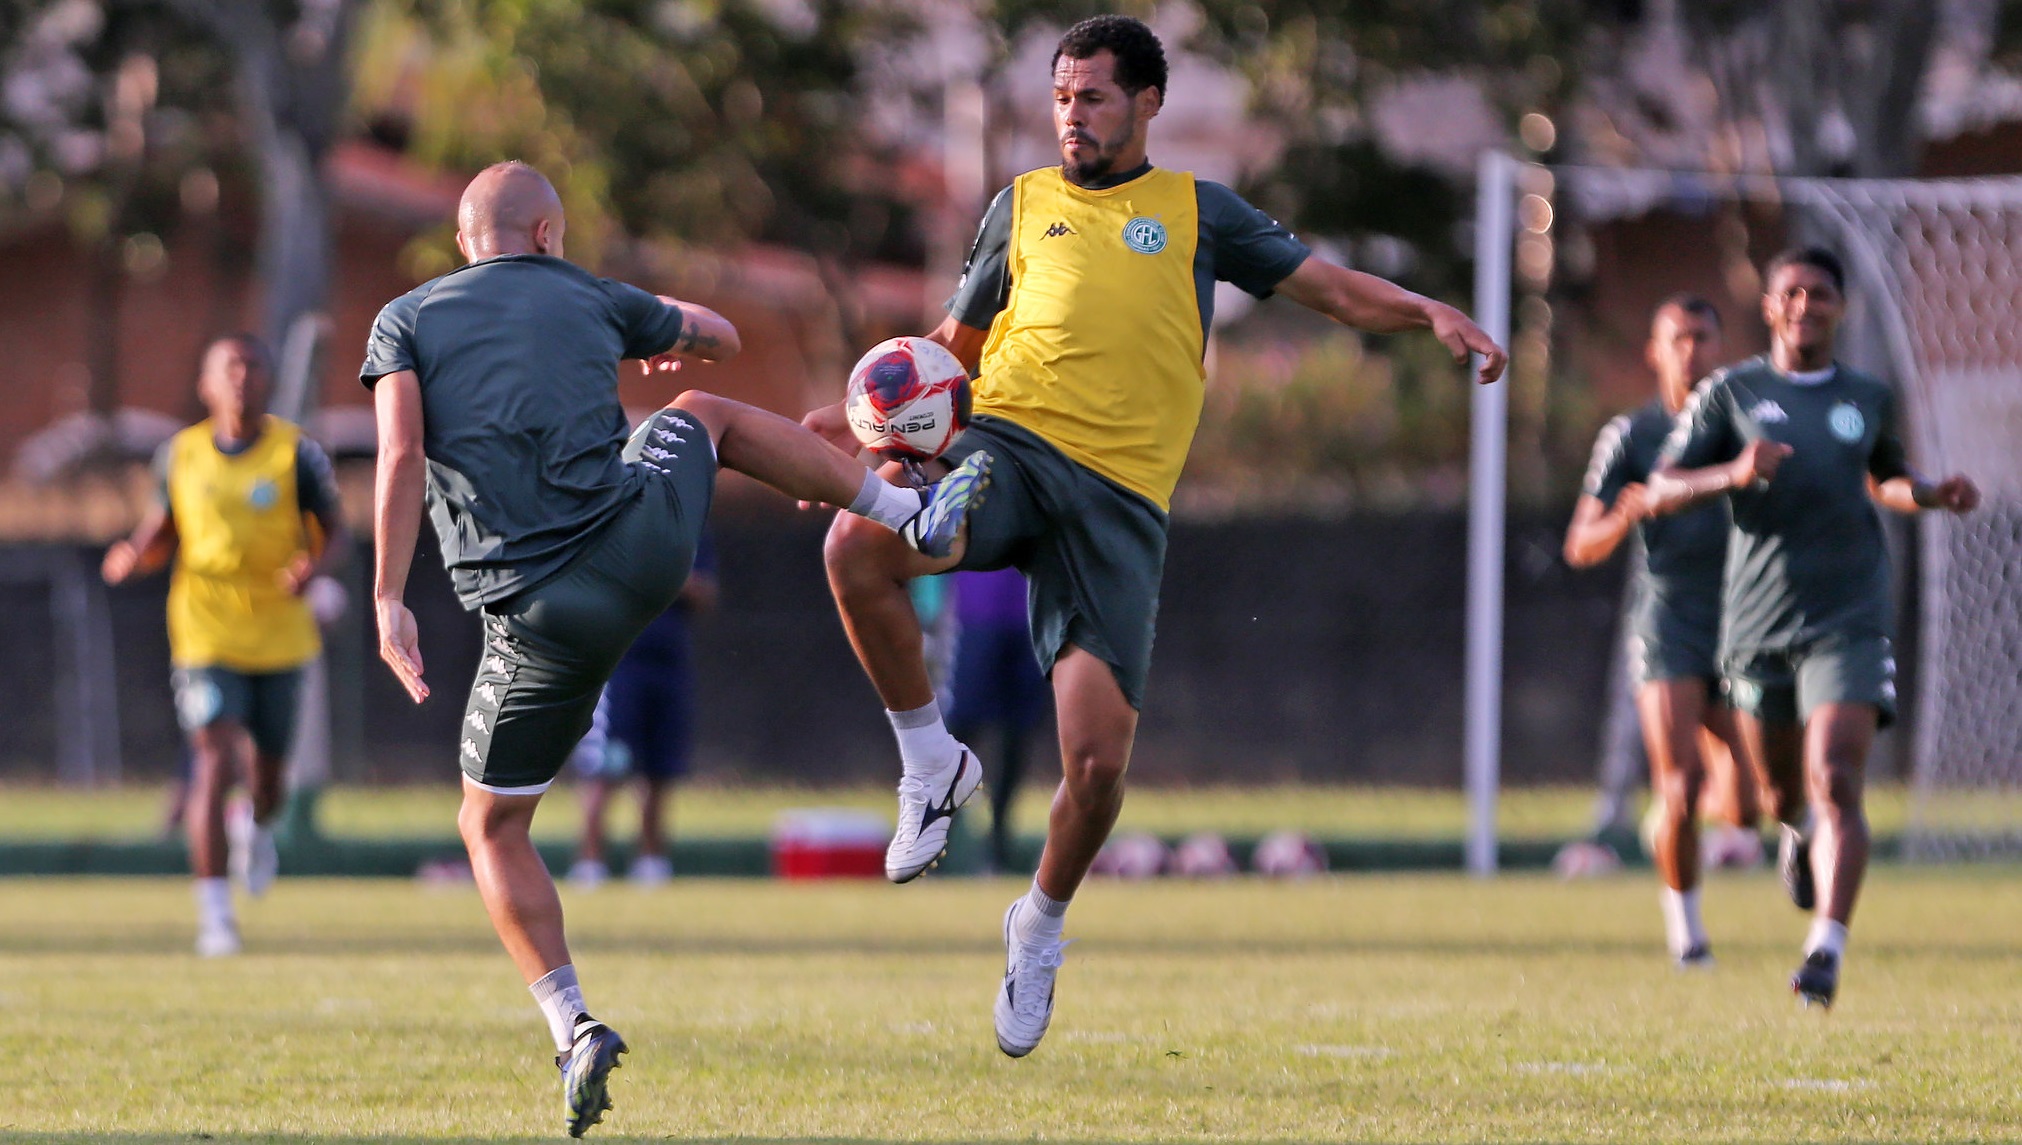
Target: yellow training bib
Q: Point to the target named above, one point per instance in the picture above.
(1099, 348)
(238, 522)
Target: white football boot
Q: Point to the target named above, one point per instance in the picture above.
(218, 939)
(927, 809)
(1025, 1001)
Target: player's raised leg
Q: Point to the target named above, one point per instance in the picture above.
(799, 463)
(868, 568)
(1671, 711)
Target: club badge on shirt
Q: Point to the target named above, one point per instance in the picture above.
(1143, 235)
(1846, 422)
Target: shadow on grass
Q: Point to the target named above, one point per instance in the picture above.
(8, 1135)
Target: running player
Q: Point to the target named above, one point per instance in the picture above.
(496, 392)
(236, 497)
(1087, 301)
(1799, 443)
(1675, 623)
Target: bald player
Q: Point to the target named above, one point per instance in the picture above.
(497, 402)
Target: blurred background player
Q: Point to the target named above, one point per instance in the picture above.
(645, 727)
(1799, 443)
(1086, 302)
(995, 683)
(496, 394)
(1688, 732)
(247, 506)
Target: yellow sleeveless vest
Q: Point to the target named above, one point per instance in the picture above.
(238, 524)
(1099, 349)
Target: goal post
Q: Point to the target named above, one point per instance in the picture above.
(1935, 307)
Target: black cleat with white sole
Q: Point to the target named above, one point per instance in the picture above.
(1817, 980)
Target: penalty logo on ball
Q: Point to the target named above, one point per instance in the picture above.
(908, 398)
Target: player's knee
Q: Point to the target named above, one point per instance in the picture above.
(1837, 784)
(485, 822)
(1679, 792)
(1093, 775)
(857, 554)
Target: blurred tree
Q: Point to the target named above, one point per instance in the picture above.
(121, 112)
(694, 120)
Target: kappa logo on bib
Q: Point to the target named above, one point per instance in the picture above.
(1145, 236)
(1846, 423)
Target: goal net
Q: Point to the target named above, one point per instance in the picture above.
(1935, 305)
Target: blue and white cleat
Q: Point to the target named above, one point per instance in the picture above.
(946, 504)
(1025, 1002)
(927, 809)
(586, 1073)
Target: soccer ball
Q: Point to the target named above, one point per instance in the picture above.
(1288, 855)
(908, 399)
(1204, 855)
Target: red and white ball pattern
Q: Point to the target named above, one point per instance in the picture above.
(908, 399)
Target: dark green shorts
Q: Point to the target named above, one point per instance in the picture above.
(1670, 640)
(1092, 552)
(549, 650)
(263, 703)
(1787, 685)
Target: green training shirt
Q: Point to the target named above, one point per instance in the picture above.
(518, 360)
(1679, 557)
(1806, 560)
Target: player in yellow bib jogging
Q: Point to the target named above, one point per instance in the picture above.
(1086, 301)
(238, 493)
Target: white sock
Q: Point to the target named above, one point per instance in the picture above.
(886, 503)
(1041, 919)
(214, 902)
(1682, 928)
(561, 999)
(1826, 935)
(925, 747)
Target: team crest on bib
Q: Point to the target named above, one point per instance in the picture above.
(263, 494)
(1846, 423)
(1145, 236)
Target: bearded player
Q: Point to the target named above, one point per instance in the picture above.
(1086, 302)
(1688, 731)
(496, 390)
(1798, 443)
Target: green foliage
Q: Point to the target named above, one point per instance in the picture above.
(688, 120)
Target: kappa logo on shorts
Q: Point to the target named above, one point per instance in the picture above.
(669, 435)
(1143, 235)
(470, 749)
(495, 664)
(657, 454)
(1846, 423)
(488, 694)
(1768, 412)
(476, 720)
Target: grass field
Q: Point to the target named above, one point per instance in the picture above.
(1350, 1009)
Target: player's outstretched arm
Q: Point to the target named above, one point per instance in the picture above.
(1597, 530)
(397, 493)
(1367, 302)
